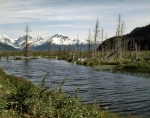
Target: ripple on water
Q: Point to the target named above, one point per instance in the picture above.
(122, 93)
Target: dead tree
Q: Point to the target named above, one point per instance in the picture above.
(108, 45)
(119, 40)
(126, 46)
(119, 34)
(122, 39)
(50, 48)
(26, 47)
(60, 48)
(89, 46)
(102, 45)
(77, 44)
(136, 51)
(69, 49)
(80, 50)
(96, 33)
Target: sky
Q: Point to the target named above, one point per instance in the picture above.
(71, 17)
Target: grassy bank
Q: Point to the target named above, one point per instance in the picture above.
(21, 98)
(142, 66)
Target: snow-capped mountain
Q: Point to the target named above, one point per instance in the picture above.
(62, 39)
(6, 40)
(39, 40)
(58, 39)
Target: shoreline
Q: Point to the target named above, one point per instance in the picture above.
(18, 99)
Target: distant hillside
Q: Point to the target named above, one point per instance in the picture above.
(140, 32)
(140, 35)
(4, 47)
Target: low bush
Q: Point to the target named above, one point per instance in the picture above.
(92, 63)
(86, 63)
(18, 58)
(79, 62)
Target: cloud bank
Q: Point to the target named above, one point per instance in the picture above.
(70, 17)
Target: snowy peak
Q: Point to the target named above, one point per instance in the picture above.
(39, 40)
(62, 39)
(6, 40)
(33, 41)
(58, 39)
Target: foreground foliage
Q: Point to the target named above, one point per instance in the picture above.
(21, 98)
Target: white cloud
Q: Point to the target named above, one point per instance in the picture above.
(75, 15)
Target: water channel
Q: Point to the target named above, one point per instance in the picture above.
(122, 93)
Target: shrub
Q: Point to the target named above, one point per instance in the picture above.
(18, 58)
(79, 62)
(92, 63)
(86, 62)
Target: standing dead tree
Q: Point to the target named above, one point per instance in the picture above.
(89, 45)
(81, 50)
(50, 48)
(136, 51)
(118, 40)
(77, 46)
(102, 46)
(26, 46)
(69, 47)
(96, 34)
(118, 43)
(107, 47)
(77, 43)
(60, 47)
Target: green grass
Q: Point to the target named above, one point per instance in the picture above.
(20, 98)
(134, 66)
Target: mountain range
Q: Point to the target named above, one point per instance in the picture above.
(139, 35)
(39, 42)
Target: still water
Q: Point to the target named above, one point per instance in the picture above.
(122, 93)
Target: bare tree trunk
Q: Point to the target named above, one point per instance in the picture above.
(107, 46)
(50, 48)
(89, 45)
(91, 49)
(136, 51)
(116, 48)
(80, 50)
(119, 41)
(125, 47)
(26, 48)
(96, 33)
(77, 44)
(102, 47)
